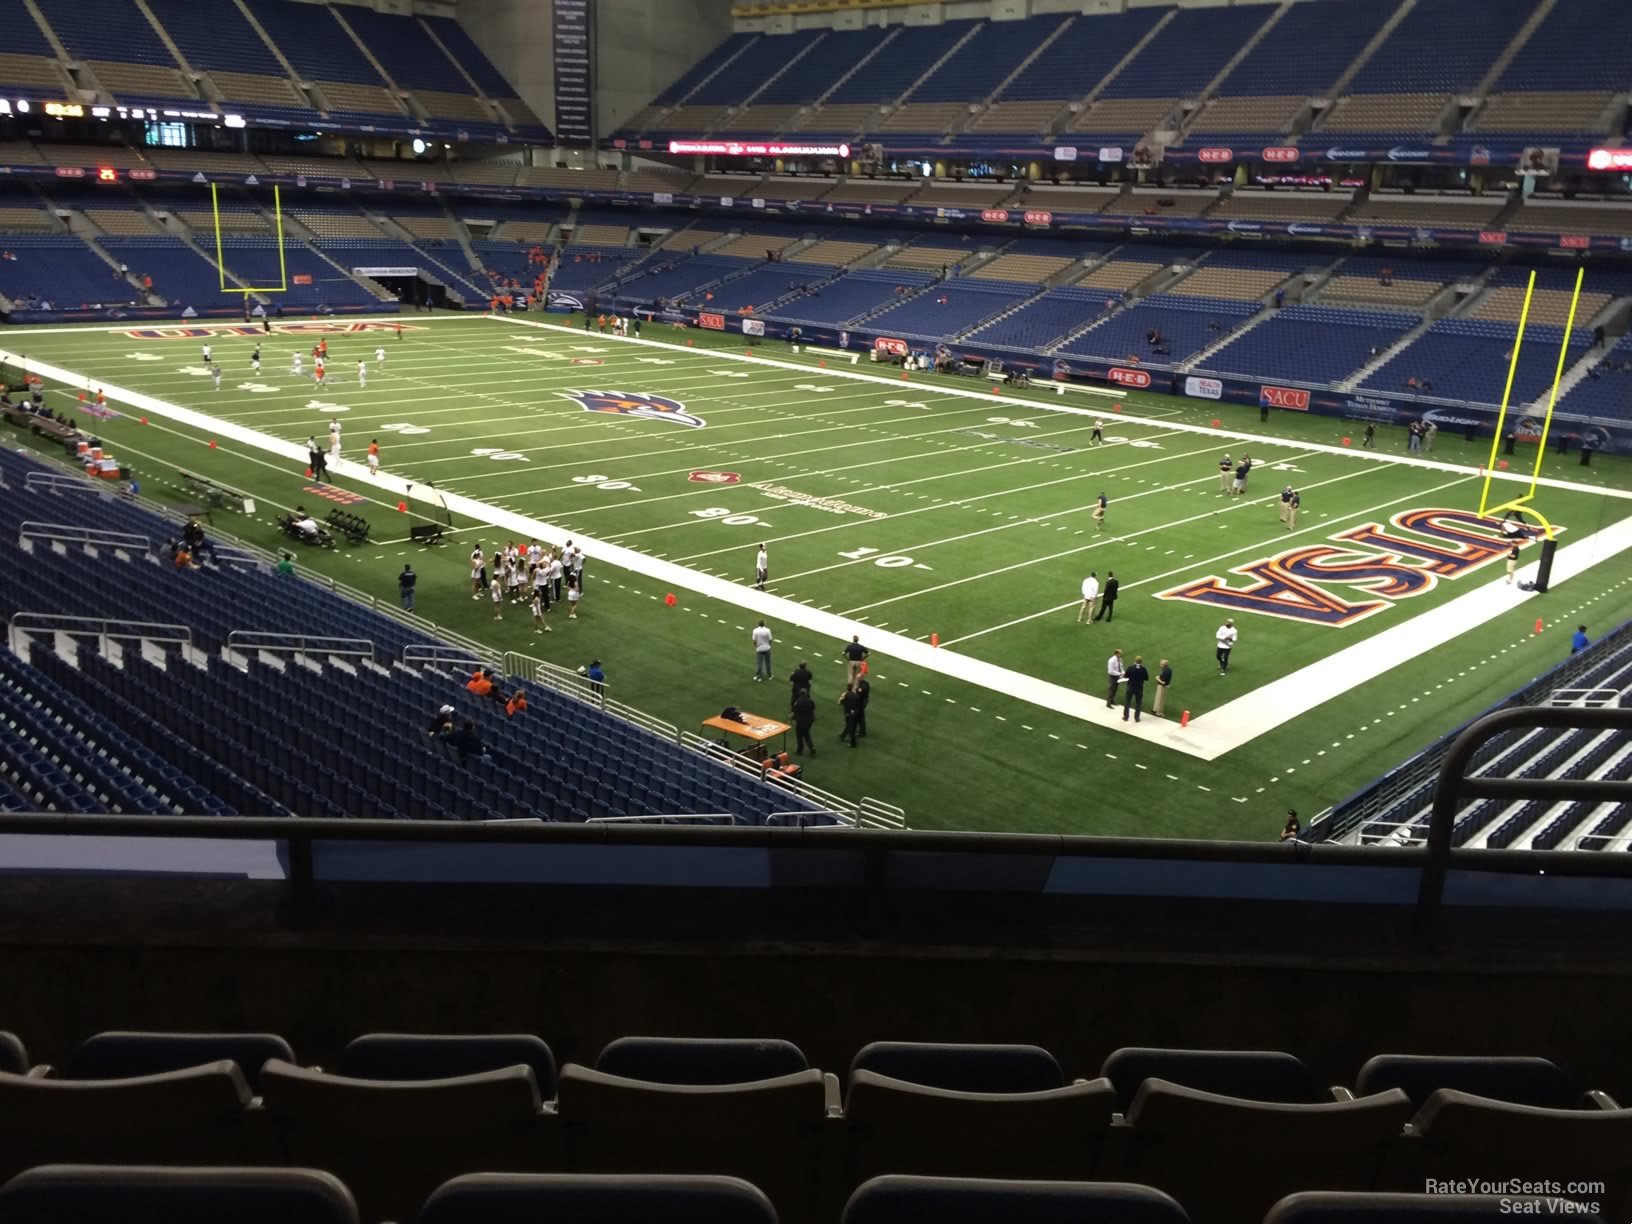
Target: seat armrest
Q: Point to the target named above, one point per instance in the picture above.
(834, 1103)
(1341, 1094)
(1594, 1099)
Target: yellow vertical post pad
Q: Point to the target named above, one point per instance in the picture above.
(1507, 392)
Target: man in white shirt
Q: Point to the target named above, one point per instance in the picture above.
(1226, 643)
(306, 525)
(334, 439)
(1090, 598)
(762, 652)
(762, 568)
(1114, 672)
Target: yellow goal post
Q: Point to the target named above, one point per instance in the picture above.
(220, 253)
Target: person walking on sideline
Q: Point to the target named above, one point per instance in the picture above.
(804, 717)
(1090, 598)
(855, 654)
(850, 702)
(1114, 671)
(1107, 607)
(374, 457)
(1512, 563)
(762, 652)
(1368, 440)
(762, 568)
(1226, 642)
(1226, 469)
(1099, 512)
(1135, 678)
(801, 679)
(1286, 501)
(405, 587)
(864, 691)
(575, 596)
(1164, 680)
(1097, 438)
(1292, 510)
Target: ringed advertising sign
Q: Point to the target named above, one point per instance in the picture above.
(1215, 155)
(1281, 153)
(1129, 378)
(1294, 399)
(1037, 216)
(1203, 388)
(711, 321)
(890, 345)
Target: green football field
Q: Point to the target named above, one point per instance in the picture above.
(908, 511)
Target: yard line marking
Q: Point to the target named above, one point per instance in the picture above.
(1070, 552)
(1009, 401)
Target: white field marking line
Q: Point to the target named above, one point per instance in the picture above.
(671, 576)
(1070, 409)
(947, 505)
(1098, 541)
(780, 455)
(1255, 546)
(1024, 522)
(856, 467)
(1234, 723)
(761, 418)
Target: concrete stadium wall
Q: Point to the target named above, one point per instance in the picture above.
(643, 45)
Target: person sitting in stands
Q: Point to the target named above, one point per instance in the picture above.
(516, 705)
(467, 743)
(481, 682)
(441, 726)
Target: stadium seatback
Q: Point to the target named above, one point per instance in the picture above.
(13, 1056)
(962, 1068)
(766, 1132)
(123, 1055)
(896, 1126)
(904, 1199)
(1229, 1159)
(196, 1116)
(1519, 1081)
(424, 1056)
(55, 1194)
(393, 1142)
(1260, 1075)
(700, 1060)
(510, 1198)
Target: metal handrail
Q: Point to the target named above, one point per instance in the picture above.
(104, 628)
(299, 643)
(417, 655)
(71, 533)
(753, 769)
(1455, 784)
(62, 482)
(677, 818)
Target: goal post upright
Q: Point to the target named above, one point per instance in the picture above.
(1507, 393)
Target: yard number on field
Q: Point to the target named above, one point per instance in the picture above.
(721, 515)
(602, 482)
(892, 561)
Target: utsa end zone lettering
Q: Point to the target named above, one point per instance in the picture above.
(635, 404)
(199, 330)
(1294, 584)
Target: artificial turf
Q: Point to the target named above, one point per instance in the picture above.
(898, 504)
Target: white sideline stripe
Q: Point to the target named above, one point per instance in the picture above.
(1280, 701)
(1207, 737)
(1155, 422)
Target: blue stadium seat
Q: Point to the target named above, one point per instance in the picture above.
(962, 1068)
(122, 1055)
(511, 1198)
(422, 1056)
(1258, 1075)
(700, 1060)
(88, 1194)
(1521, 1081)
(903, 1199)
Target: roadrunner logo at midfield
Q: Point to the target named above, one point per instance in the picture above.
(635, 404)
(1374, 565)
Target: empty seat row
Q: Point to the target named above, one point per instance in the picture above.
(1226, 1133)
